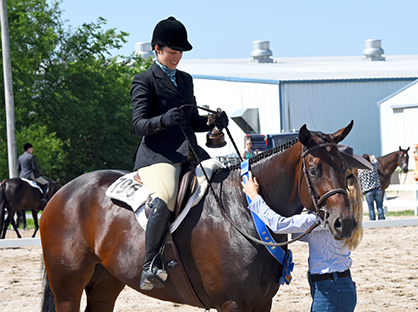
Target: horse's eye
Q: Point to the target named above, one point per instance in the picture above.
(312, 171)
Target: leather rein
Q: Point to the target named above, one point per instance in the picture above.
(317, 203)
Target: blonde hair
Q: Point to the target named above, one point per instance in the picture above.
(355, 197)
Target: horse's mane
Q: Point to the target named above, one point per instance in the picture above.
(260, 156)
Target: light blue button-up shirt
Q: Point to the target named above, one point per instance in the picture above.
(326, 255)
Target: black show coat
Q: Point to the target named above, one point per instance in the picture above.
(153, 94)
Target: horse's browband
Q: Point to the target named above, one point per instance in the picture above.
(312, 148)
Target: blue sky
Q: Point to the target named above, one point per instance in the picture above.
(295, 28)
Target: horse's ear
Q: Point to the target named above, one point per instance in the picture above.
(342, 133)
(304, 135)
(408, 148)
(400, 148)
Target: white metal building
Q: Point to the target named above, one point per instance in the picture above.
(399, 120)
(325, 93)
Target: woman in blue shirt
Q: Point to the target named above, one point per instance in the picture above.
(332, 288)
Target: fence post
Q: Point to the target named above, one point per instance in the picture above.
(415, 194)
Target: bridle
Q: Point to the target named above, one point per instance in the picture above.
(317, 201)
(402, 161)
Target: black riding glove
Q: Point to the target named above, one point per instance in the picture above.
(222, 121)
(173, 117)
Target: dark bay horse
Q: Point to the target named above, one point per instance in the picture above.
(16, 196)
(99, 247)
(388, 164)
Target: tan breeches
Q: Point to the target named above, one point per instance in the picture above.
(162, 181)
(39, 179)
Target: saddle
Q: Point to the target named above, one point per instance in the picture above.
(33, 184)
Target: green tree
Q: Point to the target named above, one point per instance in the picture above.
(34, 29)
(75, 101)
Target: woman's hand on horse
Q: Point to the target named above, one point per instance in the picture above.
(251, 186)
(173, 117)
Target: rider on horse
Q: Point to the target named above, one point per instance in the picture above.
(157, 97)
(29, 170)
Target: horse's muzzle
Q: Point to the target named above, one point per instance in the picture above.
(342, 227)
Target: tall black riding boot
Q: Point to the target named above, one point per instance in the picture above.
(45, 189)
(154, 273)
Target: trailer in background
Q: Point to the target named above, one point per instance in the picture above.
(262, 142)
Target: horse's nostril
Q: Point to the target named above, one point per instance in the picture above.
(338, 225)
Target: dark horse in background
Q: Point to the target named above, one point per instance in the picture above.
(17, 195)
(388, 164)
(99, 247)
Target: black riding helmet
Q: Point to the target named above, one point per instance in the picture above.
(171, 33)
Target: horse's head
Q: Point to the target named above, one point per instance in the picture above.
(323, 189)
(53, 188)
(403, 159)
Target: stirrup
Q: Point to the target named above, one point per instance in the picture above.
(153, 278)
(157, 277)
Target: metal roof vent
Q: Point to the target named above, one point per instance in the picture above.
(247, 119)
(144, 49)
(373, 50)
(261, 52)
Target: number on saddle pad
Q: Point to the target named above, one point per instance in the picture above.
(128, 190)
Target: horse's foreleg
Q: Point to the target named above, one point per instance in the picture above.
(21, 218)
(24, 219)
(35, 220)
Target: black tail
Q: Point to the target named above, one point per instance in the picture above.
(48, 303)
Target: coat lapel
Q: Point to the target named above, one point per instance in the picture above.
(165, 81)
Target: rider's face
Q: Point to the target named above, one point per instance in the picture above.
(168, 57)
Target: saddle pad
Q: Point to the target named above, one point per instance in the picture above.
(128, 190)
(33, 184)
(210, 166)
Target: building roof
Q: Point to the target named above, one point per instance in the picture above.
(399, 92)
(304, 68)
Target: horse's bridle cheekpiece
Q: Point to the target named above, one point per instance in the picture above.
(318, 201)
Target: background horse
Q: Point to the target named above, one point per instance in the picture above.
(388, 164)
(17, 195)
(99, 247)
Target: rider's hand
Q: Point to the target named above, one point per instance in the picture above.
(221, 122)
(251, 186)
(173, 117)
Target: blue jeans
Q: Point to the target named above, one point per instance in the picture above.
(372, 196)
(336, 295)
